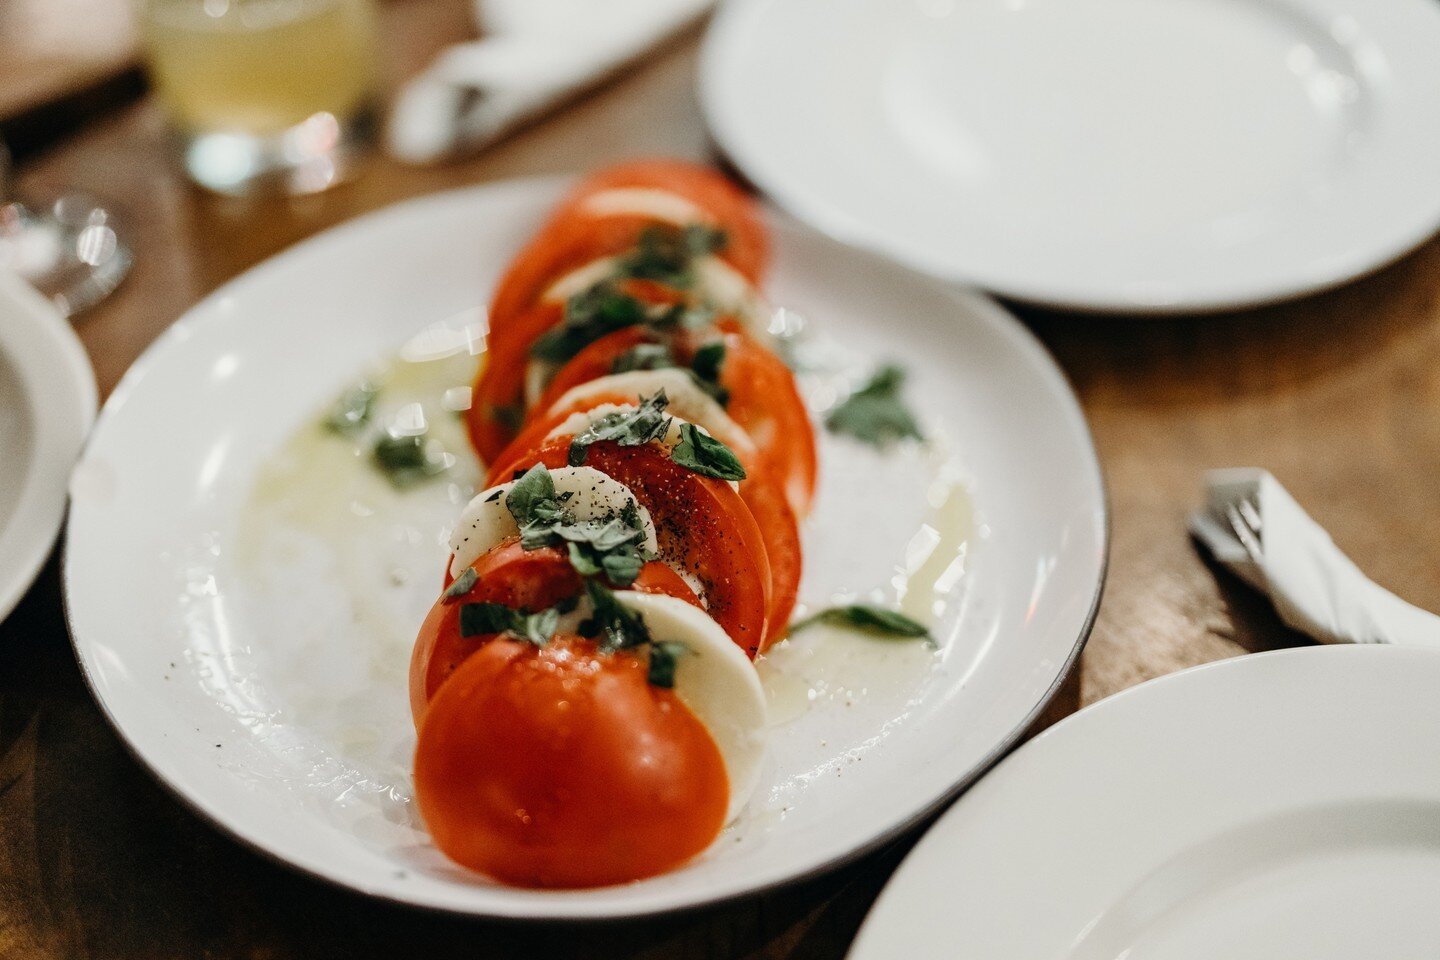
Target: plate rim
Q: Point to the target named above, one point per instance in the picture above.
(996, 316)
(58, 384)
(719, 43)
(1239, 662)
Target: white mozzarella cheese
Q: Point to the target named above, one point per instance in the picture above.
(486, 521)
(717, 682)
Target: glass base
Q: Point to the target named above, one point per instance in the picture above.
(311, 156)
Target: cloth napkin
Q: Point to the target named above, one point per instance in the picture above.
(535, 54)
(1315, 588)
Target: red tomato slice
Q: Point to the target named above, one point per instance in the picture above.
(563, 767)
(765, 497)
(574, 237)
(497, 401)
(519, 578)
(702, 524)
(595, 361)
(765, 401)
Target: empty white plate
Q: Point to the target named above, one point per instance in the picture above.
(1101, 154)
(1284, 804)
(258, 666)
(47, 402)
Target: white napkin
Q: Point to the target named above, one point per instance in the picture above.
(1315, 588)
(535, 54)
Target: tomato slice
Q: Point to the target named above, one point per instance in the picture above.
(519, 578)
(765, 497)
(733, 209)
(703, 526)
(563, 767)
(497, 402)
(595, 361)
(766, 402)
(574, 237)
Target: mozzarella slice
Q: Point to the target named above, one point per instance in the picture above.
(717, 682)
(687, 402)
(581, 279)
(486, 521)
(659, 205)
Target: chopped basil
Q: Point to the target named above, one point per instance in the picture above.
(628, 428)
(479, 619)
(875, 413)
(352, 411)
(532, 497)
(460, 586)
(581, 560)
(663, 654)
(590, 315)
(662, 254)
(406, 461)
(611, 545)
(871, 619)
(644, 356)
(615, 625)
(707, 360)
(705, 368)
(703, 454)
(666, 254)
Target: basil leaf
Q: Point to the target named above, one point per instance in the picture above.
(622, 566)
(875, 414)
(460, 586)
(406, 461)
(871, 619)
(628, 428)
(703, 454)
(707, 360)
(662, 662)
(644, 356)
(590, 315)
(478, 619)
(616, 626)
(540, 627)
(532, 497)
(705, 369)
(582, 561)
(352, 411)
(703, 240)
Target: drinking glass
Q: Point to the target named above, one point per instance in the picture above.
(69, 247)
(265, 94)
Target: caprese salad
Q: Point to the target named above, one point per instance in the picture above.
(587, 708)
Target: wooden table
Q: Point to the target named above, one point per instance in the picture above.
(1338, 394)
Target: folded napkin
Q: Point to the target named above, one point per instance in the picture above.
(1255, 528)
(536, 53)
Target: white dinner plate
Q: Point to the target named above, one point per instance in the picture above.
(47, 402)
(241, 662)
(1284, 804)
(1101, 154)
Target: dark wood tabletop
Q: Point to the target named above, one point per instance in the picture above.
(1338, 394)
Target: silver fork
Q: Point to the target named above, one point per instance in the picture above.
(1244, 518)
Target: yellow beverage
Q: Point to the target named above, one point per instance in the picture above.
(260, 66)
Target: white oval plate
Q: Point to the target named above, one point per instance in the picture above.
(1283, 804)
(216, 690)
(1101, 154)
(47, 402)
